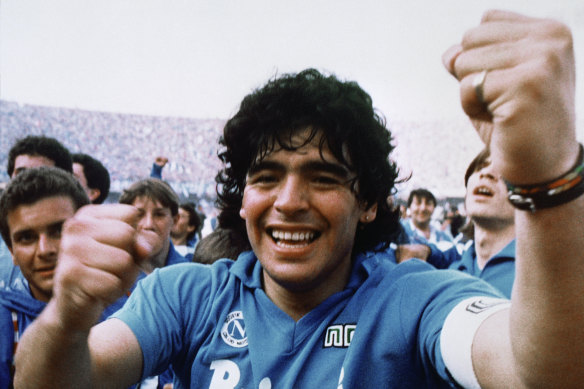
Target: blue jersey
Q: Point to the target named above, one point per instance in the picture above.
(441, 239)
(18, 309)
(217, 327)
(499, 271)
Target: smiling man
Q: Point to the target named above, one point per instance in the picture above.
(318, 303)
(33, 208)
(421, 205)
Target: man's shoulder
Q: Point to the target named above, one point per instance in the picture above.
(11, 278)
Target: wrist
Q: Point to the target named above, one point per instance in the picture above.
(552, 193)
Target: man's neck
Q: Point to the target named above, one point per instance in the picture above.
(423, 227)
(179, 240)
(489, 239)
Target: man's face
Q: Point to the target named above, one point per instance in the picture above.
(301, 218)
(26, 161)
(79, 173)
(421, 210)
(35, 233)
(182, 228)
(486, 196)
(156, 218)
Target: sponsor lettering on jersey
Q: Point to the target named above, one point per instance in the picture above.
(339, 335)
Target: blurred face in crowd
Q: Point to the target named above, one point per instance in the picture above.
(79, 173)
(421, 210)
(156, 218)
(301, 218)
(182, 228)
(486, 196)
(35, 234)
(26, 161)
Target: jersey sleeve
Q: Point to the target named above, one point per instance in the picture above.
(162, 308)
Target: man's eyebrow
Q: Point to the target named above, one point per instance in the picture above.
(327, 167)
(310, 166)
(264, 165)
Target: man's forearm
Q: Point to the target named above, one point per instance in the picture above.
(550, 284)
(50, 357)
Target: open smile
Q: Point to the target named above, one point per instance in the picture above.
(293, 239)
(483, 191)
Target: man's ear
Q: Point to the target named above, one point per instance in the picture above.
(93, 194)
(369, 214)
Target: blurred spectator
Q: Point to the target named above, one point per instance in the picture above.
(419, 227)
(221, 243)
(93, 176)
(186, 231)
(35, 151)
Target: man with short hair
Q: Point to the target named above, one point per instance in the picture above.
(421, 205)
(185, 232)
(317, 303)
(33, 209)
(157, 205)
(491, 256)
(35, 151)
(158, 208)
(93, 176)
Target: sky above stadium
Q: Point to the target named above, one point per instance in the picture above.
(199, 58)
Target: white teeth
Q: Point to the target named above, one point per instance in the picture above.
(482, 190)
(293, 236)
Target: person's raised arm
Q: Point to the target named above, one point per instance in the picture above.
(517, 84)
(97, 264)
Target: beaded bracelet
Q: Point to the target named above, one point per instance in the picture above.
(552, 193)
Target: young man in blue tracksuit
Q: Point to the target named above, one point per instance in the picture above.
(491, 256)
(158, 206)
(33, 208)
(317, 303)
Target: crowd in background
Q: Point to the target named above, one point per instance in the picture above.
(127, 144)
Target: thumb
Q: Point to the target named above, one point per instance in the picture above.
(144, 245)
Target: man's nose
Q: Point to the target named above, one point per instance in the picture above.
(291, 196)
(48, 245)
(146, 221)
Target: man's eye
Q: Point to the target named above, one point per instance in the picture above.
(25, 238)
(55, 231)
(328, 180)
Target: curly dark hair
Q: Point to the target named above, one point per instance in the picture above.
(353, 131)
(33, 185)
(43, 146)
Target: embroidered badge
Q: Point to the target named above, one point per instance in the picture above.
(233, 331)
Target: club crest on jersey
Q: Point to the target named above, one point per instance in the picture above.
(339, 335)
(233, 330)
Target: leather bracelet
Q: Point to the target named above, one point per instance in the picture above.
(552, 193)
